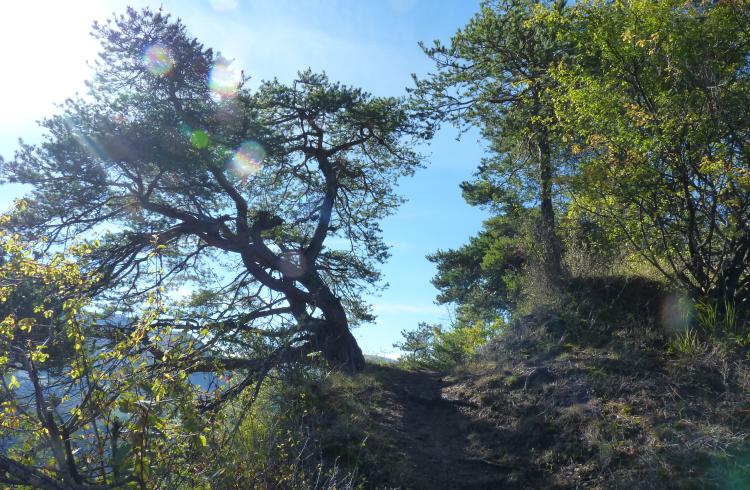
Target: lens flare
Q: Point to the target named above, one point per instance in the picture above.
(158, 60)
(224, 79)
(199, 139)
(677, 313)
(293, 265)
(248, 159)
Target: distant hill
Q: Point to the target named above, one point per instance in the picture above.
(373, 359)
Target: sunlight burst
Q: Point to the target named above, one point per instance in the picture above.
(224, 79)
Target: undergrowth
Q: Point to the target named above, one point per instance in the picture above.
(270, 439)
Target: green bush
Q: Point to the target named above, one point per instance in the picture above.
(687, 343)
(433, 347)
(267, 439)
(722, 322)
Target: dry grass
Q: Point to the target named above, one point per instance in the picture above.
(613, 410)
(588, 399)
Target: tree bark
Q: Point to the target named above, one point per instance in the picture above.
(551, 249)
(28, 476)
(332, 336)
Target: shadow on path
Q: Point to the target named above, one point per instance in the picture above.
(442, 443)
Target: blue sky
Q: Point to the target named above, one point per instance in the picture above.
(370, 44)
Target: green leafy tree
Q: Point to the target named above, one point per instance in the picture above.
(23, 300)
(122, 408)
(495, 74)
(658, 106)
(95, 416)
(237, 189)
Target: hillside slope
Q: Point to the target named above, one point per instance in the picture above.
(544, 407)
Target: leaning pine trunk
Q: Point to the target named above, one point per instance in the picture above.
(340, 348)
(332, 337)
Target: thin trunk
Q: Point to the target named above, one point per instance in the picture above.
(728, 284)
(551, 254)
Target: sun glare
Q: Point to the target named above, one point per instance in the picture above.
(46, 45)
(225, 79)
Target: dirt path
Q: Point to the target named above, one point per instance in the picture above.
(440, 443)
